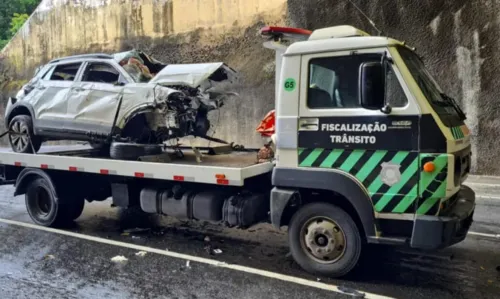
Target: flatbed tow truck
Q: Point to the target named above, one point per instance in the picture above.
(368, 150)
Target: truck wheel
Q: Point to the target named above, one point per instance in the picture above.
(22, 128)
(42, 205)
(75, 210)
(324, 240)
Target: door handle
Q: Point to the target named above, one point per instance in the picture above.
(78, 89)
(41, 87)
(309, 124)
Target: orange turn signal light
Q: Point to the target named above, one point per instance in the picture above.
(429, 167)
(220, 176)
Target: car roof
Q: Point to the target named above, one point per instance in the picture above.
(82, 57)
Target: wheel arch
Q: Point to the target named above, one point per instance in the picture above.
(27, 176)
(342, 189)
(134, 112)
(20, 108)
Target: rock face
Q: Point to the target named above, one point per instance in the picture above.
(457, 38)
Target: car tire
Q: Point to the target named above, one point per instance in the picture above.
(153, 149)
(127, 151)
(324, 240)
(22, 124)
(43, 205)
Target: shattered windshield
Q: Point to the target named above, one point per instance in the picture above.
(445, 106)
(138, 65)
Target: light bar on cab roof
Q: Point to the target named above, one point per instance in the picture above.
(274, 30)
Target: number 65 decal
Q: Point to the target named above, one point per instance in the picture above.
(290, 84)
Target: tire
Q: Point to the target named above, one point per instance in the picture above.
(23, 124)
(75, 210)
(43, 207)
(126, 151)
(308, 224)
(153, 149)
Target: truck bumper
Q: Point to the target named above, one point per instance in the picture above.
(436, 232)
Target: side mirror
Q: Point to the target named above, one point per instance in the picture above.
(372, 85)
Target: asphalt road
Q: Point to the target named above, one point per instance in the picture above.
(47, 264)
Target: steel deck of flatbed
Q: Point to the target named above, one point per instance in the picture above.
(225, 169)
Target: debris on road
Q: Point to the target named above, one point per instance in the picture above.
(207, 239)
(217, 251)
(351, 292)
(187, 265)
(119, 259)
(136, 230)
(49, 257)
(141, 253)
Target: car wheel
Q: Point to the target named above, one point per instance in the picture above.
(324, 240)
(153, 149)
(21, 128)
(126, 151)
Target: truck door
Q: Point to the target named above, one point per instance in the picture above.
(379, 149)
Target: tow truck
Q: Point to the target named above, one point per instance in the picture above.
(369, 150)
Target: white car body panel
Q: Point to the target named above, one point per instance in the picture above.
(192, 75)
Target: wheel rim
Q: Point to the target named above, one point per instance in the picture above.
(43, 203)
(323, 240)
(19, 139)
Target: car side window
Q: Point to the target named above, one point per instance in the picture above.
(65, 72)
(101, 73)
(333, 82)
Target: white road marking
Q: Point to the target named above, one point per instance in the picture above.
(188, 258)
(494, 236)
(482, 184)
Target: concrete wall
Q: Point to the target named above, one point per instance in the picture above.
(458, 39)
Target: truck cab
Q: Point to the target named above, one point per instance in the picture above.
(361, 124)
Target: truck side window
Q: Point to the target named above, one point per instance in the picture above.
(333, 82)
(394, 94)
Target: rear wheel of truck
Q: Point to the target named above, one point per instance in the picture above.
(45, 208)
(324, 240)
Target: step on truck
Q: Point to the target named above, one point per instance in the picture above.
(368, 149)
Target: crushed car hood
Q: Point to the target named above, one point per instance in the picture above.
(194, 75)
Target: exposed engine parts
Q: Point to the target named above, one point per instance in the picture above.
(241, 210)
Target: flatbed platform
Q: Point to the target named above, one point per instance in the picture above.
(224, 169)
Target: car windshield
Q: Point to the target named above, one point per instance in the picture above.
(141, 67)
(444, 106)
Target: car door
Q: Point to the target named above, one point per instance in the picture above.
(380, 150)
(94, 99)
(51, 92)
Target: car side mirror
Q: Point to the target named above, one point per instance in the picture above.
(120, 83)
(372, 85)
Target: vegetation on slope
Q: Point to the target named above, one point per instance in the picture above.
(13, 14)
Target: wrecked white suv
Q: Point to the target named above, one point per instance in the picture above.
(127, 96)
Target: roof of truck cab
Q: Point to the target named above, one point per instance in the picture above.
(340, 44)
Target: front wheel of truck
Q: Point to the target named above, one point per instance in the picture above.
(324, 240)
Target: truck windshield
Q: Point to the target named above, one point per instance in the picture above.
(446, 107)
